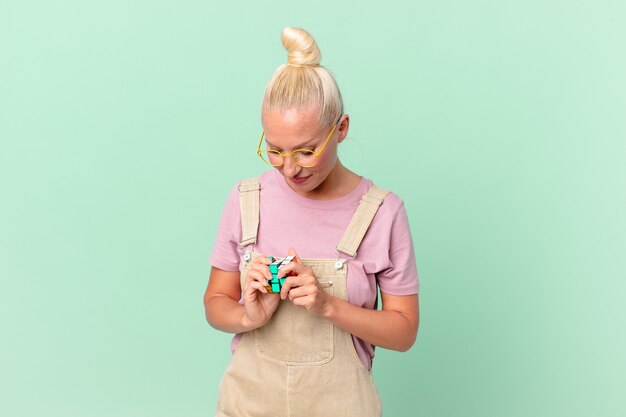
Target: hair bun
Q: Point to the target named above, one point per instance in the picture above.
(302, 50)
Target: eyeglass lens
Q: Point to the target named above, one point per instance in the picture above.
(302, 157)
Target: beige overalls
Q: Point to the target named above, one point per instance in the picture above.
(298, 365)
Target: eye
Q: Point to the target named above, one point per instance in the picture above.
(304, 155)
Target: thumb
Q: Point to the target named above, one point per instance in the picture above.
(292, 252)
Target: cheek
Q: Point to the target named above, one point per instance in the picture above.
(328, 157)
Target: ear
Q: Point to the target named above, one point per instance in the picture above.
(343, 126)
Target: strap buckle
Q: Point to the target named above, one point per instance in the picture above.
(244, 188)
(337, 251)
(372, 199)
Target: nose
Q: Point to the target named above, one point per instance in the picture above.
(290, 168)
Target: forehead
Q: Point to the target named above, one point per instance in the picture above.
(292, 122)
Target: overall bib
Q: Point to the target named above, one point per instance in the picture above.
(298, 365)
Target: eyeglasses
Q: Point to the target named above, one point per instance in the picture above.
(306, 158)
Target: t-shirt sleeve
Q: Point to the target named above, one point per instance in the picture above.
(400, 278)
(225, 253)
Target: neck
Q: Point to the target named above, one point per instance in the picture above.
(339, 182)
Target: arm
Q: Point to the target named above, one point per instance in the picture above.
(221, 299)
(394, 327)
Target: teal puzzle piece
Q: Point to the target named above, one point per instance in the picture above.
(275, 284)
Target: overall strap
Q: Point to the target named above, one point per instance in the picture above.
(361, 220)
(249, 205)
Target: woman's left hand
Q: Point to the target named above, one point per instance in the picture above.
(303, 289)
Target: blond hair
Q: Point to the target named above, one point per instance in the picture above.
(302, 81)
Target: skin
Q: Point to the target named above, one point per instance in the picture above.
(394, 327)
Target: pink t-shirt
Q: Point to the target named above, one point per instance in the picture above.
(314, 228)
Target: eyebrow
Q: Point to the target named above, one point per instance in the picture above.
(300, 146)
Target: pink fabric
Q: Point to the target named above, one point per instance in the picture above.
(314, 228)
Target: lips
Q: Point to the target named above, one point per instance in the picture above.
(300, 180)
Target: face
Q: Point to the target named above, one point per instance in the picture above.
(300, 129)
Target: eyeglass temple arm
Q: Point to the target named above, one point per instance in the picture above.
(318, 153)
(258, 150)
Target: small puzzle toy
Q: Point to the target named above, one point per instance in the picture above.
(275, 284)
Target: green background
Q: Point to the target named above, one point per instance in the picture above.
(123, 126)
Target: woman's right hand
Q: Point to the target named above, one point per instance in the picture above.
(258, 302)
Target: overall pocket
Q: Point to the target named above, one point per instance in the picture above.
(295, 337)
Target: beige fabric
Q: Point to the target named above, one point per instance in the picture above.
(298, 365)
(361, 220)
(249, 203)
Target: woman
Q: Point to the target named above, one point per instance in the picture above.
(308, 350)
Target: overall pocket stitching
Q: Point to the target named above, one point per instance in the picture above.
(327, 356)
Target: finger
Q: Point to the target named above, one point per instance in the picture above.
(302, 291)
(304, 301)
(261, 259)
(254, 275)
(292, 252)
(291, 282)
(250, 294)
(293, 268)
(263, 269)
(256, 285)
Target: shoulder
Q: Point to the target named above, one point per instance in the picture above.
(264, 180)
(392, 203)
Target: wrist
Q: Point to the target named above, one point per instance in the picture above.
(330, 309)
(248, 324)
